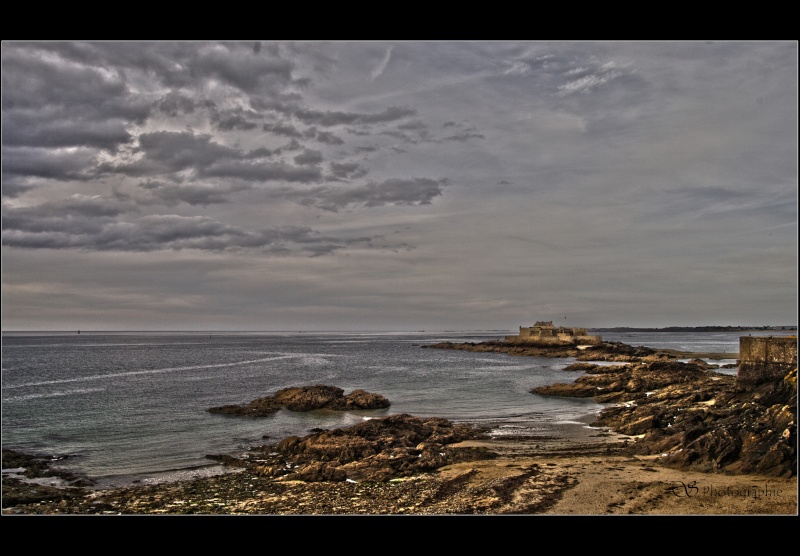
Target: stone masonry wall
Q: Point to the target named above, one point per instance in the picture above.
(766, 358)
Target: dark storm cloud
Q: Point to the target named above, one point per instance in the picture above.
(27, 128)
(169, 151)
(45, 228)
(308, 156)
(171, 194)
(464, 136)
(416, 125)
(287, 130)
(416, 191)
(261, 172)
(35, 82)
(329, 138)
(175, 103)
(293, 145)
(236, 118)
(333, 118)
(347, 170)
(411, 192)
(251, 74)
(75, 210)
(187, 63)
(261, 152)
(14, 187)
(66, 224)
(47, 163)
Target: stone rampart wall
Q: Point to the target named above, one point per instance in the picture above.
(765, 358)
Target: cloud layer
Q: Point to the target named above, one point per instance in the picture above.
(399, 185)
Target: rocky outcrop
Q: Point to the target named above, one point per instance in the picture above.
(377, 449)
(306, 398)
(18, 470)
(605, 351)
(694, 418)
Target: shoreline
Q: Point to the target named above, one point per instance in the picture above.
(573, 468)
(582, 471)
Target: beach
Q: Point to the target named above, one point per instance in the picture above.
(582, 471)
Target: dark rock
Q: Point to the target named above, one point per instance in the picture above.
(306, 398)
(605, 351)
(374, 450)
(696, 418)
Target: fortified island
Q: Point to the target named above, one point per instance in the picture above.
(545, 332)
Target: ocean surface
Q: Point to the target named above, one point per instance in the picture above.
(123, 407)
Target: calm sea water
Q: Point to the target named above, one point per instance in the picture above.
(127, 406)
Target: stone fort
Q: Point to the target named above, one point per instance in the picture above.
(545, 332)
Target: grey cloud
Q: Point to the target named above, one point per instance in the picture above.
(175, 103)
(45, 129)
(66, 224)
(73, 209)
(329, 138)
(308, 156)
(332, 118)
(353, 131)
(399, 135)
(229, 120)
(293, 145)
(261, 152)
(263, 172)
(395, 191)
(31, 81)
(48, 163)
(168, 151)
(14, 187)
(347, 170)
(191, 194)
(161, 232)
(464, 136)
(248, 73)
(416, 125)
(282, 129)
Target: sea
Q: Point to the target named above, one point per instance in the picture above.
(132, 407)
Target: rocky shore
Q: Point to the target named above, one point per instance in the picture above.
(675, 438)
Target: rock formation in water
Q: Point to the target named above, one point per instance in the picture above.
(605, 351)
(306, 398)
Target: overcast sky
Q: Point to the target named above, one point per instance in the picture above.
(398, 185)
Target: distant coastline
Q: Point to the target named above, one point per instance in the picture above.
(696, 329)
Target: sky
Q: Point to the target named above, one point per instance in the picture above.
(398, 186)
